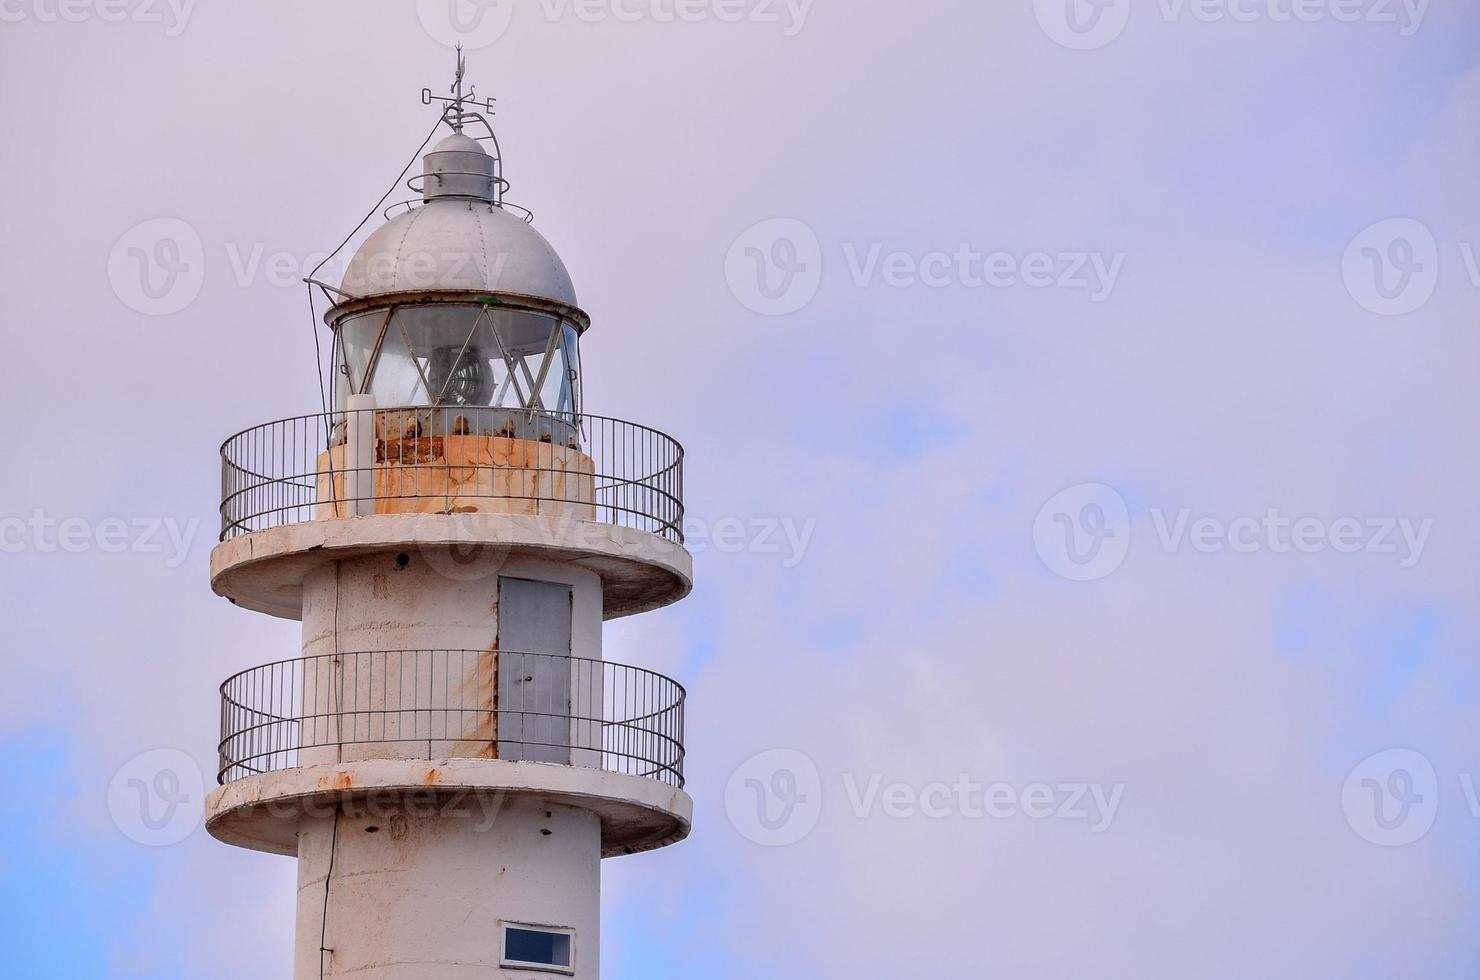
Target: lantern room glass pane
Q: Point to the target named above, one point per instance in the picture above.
(357, 341)
(570, 394)
(462, 354)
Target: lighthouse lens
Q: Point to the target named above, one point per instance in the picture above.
(458, 377)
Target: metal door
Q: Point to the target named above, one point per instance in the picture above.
(534, 671)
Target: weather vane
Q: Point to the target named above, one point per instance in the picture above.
(461, 106)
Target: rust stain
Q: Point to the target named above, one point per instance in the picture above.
(343, 780)
(480, 690)
(400, 827)
(487, 679)
(433, 777)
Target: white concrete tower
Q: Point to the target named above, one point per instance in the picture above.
(450, 757)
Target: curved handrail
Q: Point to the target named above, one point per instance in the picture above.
(626, 473)
(456, 703)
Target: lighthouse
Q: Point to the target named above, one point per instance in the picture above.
(449, 756)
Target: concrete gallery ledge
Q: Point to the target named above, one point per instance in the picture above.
(263, 812)
(264, 571)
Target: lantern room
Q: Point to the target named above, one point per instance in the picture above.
(458, 303)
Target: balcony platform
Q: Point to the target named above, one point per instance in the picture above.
(264, 570)
(263, 812)
(454, 486)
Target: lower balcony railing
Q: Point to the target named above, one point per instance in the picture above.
(448, 704)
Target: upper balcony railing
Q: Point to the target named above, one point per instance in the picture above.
(451, 461)
(451, 704)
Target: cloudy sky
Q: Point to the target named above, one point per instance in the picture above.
(1076, 398)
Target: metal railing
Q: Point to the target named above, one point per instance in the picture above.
(452, 460)
(448, 704)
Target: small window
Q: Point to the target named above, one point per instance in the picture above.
(539, 948)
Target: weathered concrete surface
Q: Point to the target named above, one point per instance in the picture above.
(265, 571)
(377, 603)
(458, 474)
(265, 812)
(413, 893)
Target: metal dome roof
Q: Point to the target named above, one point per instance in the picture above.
(458, 244)
(459, 142)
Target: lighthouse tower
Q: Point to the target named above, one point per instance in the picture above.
(449, 756)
